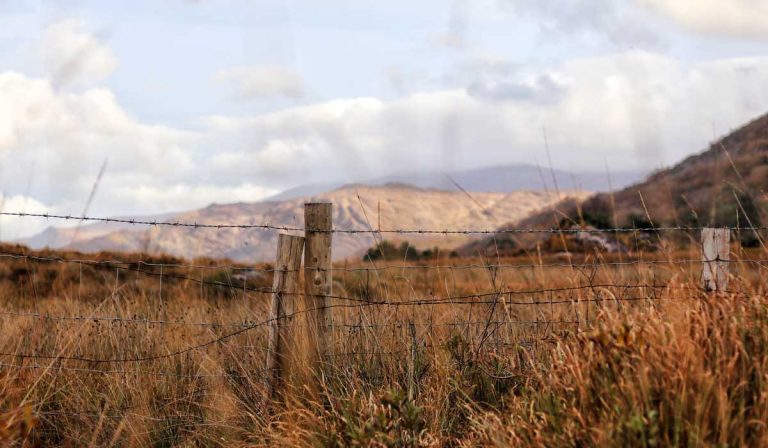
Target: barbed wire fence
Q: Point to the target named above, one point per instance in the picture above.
(340, 318)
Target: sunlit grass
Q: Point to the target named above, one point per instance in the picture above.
(525, 355)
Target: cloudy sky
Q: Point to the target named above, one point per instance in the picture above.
(193, 102)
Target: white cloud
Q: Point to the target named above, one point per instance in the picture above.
(262, 81)
(183, 197)
(738, 18)
(631, 109)
(12, 227)
(71, 54)
(62, 129)
(55, 141)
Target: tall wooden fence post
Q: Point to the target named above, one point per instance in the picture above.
(317, 278)
(715, 253)
(284, 287)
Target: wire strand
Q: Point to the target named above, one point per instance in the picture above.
(196, 225)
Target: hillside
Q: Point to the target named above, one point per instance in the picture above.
(355, 207)
(722, 186)
(60, 237)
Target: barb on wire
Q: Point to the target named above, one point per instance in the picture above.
(58, 368)
(271, 291)
(127, 266)
(118, 416)
(196, 225)
(128, 263)
(125, 319)
(267, 321)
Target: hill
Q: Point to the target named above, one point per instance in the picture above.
(722, 186)
(355, 207)
(60, 237)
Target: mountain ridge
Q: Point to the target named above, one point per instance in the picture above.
(722, 185)
(359, 207)
(498, 178)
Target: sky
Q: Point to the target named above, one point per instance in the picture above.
(189, 102)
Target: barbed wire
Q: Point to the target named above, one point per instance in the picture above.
(123, 319)
(139, 358)
(465, 299)
(247, 324)
(488, 344)
(502, 296)
(163, 356)
(190, 419)
(230, 335)
(597, 292)
(543, 265)
(129, 266)
(196, 225)
(337, 297)
(58, 368)
(468, 299)
(59, 258)
(449, 324)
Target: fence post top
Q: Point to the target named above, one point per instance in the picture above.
(288, 236)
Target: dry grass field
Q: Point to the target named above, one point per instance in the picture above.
(529, 351)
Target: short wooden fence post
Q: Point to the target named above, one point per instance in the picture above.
(284, 289)
(715, 255)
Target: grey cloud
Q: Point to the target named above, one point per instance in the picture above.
(618, 21)
(543, 89)
(402, 80)
(239, 158)
(455, 36)
(263, 81)
(588, 121)
(74, 55)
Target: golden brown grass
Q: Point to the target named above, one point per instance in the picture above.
(685, 376)
(658, 365)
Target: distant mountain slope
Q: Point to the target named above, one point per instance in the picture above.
(722, 186)
(391, 206)
(499, 179)
(58, 237)
(508, 178)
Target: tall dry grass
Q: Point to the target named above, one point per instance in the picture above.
(656, 365)
(688, 375)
